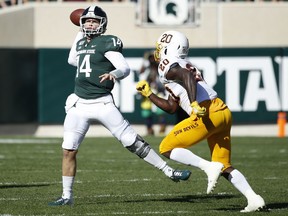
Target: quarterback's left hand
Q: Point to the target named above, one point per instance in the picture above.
(197, 110)
(107, 76)
(144, 88)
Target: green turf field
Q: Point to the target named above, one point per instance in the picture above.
(112, 181)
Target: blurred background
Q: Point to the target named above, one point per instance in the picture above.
(240, 46)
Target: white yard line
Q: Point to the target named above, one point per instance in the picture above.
(20, 141)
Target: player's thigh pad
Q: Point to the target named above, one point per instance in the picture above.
(75, 127)
(114, 121)
(220, 141)
(185, 134)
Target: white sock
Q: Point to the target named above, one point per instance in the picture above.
(154, 159)
(185, 156)
(240, 182)
(168, 171)
(67, 182)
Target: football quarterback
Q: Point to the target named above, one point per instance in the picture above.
(99, 63)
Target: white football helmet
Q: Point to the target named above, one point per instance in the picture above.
(171, 43)
(94, 12)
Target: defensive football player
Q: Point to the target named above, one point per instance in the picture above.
(210, 118)
(99, 63)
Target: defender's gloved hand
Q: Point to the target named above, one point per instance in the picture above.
(197, 110)
(144, 88)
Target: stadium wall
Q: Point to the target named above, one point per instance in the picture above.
(226, 24)
(250, 80)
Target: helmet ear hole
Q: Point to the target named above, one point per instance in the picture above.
(165, 51)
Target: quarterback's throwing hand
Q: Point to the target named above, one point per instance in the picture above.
(144, 88)
(197, 110)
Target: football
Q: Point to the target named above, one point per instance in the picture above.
(75, 16)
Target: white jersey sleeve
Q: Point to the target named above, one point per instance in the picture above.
(72, 59)
(117, 59)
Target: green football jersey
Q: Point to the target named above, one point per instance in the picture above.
(91, 63)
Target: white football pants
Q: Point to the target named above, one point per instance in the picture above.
(80, 114)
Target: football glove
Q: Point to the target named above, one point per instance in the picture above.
(144, 88)
(197, 110)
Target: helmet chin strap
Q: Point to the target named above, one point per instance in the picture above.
(88, 33)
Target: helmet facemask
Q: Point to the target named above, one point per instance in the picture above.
(157, 55)
(93, 32)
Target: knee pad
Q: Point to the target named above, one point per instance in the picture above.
(71, 140)
(139, 147)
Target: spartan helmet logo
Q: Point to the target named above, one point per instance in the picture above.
(168, 12)
(171, 8)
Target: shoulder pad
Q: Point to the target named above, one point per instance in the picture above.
(112, 43)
